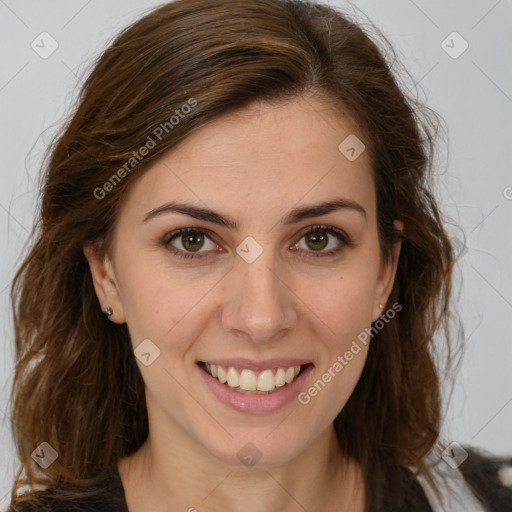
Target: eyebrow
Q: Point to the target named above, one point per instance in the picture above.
(294, 216)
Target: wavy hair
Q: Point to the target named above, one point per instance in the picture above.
(76, 383)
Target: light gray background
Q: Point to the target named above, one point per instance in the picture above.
(472, 92)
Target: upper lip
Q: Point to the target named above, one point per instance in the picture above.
(256, 366)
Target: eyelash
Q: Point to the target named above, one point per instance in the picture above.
(345, 240)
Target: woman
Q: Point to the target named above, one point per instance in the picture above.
(239, 268)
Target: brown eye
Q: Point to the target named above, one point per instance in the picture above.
(192, 241)
(317, 240)
(187, 241)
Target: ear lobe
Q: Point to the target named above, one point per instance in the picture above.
(104, 281)
(387, 275)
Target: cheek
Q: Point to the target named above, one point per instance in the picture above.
(335, 379)
(341, 308)
(159, 300)
(343, 295)
(342, 301)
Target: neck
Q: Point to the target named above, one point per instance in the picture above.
(168, 470)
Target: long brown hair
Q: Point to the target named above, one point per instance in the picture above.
(76, 384)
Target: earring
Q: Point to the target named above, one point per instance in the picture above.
(381, 306)
(108, 311)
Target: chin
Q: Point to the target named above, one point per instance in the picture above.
(259, 450)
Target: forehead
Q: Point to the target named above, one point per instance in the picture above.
(262, 159)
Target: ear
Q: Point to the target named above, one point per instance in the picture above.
(105, 282)
(387, 275)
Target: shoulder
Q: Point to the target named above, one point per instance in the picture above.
(106, 495)
(467, 479)
(489, 477)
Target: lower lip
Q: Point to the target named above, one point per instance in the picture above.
(256, 403)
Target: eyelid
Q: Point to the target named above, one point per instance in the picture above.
(344, 239)
(173, 234)
(169, 237)
(330, 229)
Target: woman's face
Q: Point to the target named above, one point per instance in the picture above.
(261, 297)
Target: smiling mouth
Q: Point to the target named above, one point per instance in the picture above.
(246, 381)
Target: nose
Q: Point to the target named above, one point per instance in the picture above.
(259, 304)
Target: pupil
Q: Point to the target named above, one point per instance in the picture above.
(192, 239)
(316, 238)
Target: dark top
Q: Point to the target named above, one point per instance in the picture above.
(480, 473)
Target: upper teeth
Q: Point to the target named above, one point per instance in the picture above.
(247, 380)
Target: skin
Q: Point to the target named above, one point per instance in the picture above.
(255, 166)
